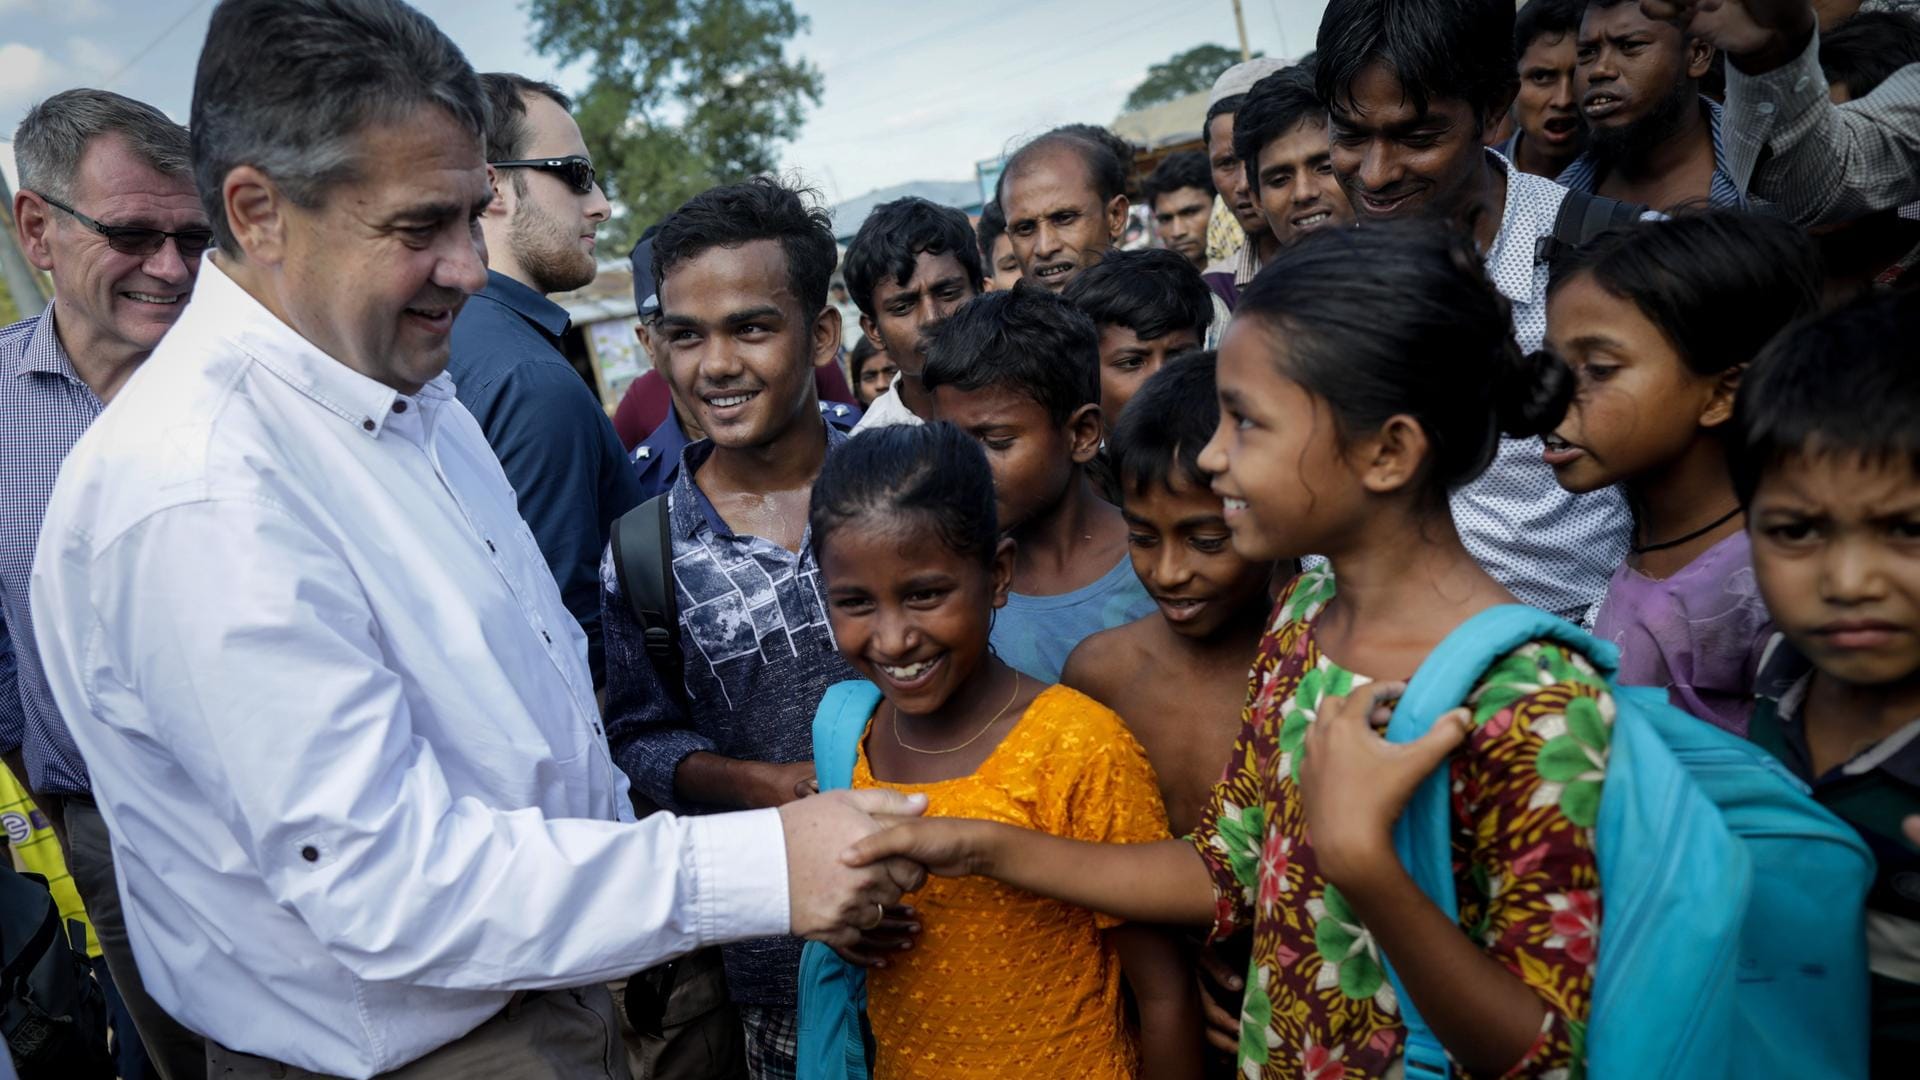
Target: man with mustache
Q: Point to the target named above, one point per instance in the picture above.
(912, 264)
(1065, 200)
(1226, 276)
(1653, 138)
(1411, 87)
(569, 473)
(1280, 135)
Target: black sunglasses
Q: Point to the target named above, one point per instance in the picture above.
(139, 239)
(576, 170)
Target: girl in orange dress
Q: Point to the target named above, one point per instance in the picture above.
(978, 978)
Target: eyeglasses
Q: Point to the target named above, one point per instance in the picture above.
(576, 170)
(139, 239)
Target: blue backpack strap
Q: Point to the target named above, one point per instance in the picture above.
(1423, 836)
(832, 1039)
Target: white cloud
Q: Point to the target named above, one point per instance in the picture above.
(24, 71)
(66, 11)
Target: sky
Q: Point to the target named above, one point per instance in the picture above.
(914, 90)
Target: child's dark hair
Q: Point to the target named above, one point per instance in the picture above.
(1274, 107)
(1843, 383)
(1023, 338)
(933, 471)
(863, 351)
(1436, 49)
(1151, 292)
(1186, 169)
(1861, 52)
(758, 209)
(993, 226)
(1165, 425)
(894, 236)
(1717, 283)
(1399, 318)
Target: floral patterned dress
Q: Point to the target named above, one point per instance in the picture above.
(1526, 791)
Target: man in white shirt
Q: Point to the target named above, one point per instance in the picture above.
(339, 721)
(911, 264)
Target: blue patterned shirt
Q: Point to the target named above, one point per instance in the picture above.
(44, 409)
(759, 656)
(1723, 191)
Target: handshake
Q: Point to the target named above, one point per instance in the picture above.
(830, 900)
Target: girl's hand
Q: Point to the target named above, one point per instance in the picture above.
(948, 847)
(1354, 783)
(899, 925)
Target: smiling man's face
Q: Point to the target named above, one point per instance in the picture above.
(1397, 160)
(109, 298)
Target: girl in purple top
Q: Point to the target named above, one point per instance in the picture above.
(1659, 320)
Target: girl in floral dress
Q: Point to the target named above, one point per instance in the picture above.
(1366, 375)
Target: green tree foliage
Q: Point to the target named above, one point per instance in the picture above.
(684, 94)
(1183, 73)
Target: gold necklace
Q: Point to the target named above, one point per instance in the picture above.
(905, 745)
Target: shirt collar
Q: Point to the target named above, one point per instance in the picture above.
(688, 508)
(1785, 676)
(1524, 219)
(236, 316)
(529, 305)
(43, 353)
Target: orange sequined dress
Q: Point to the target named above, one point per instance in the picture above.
(1003, 982)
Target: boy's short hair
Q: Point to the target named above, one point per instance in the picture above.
(1025, 339)
(863, 351)
(894, 236)
(1151, 292)
(1436, 49)
(1842, 383)
(1861, 52)
(1545, 18)
(1186, 169)
(1274, 107)
(1166, 424)
(993, 225)
(758, 209)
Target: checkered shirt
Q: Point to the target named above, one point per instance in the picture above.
(44, 408)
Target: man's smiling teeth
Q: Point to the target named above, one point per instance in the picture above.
(1053, 271)
(149, 298)
(1310, 220)
(907, 673)
(729, 400)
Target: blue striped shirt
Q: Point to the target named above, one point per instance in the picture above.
(44, 409)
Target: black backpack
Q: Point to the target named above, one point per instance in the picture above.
(1582, 217)
(53, 1013)
(643, 564)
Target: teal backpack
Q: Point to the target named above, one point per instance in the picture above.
(835, 1042)
(1732, 935)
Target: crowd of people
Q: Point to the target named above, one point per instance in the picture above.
(1451, 603)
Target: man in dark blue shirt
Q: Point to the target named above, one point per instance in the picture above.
(554, 440)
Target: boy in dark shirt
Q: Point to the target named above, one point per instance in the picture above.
(1827, 460)
(1019, 371)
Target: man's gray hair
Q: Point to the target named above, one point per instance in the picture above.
(287, 86)
(50, 142)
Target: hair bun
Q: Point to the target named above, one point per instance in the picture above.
(1531, 391)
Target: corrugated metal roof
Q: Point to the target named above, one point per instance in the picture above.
(960, 194)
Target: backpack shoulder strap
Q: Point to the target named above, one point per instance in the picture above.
(643, 564)
(1423, 835)
(837, 726)
(1583, 216)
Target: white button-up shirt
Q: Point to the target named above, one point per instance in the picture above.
(339, 721)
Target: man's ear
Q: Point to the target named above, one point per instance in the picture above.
(257, 215)
(1117, 208)
(33, 224)
(1083, 433)
(1498, 108)
(501, 207)
(1390, 459)
(826, 336)
(872, 332)
(1699, 57)
(1002, 570)
(1719, 407)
